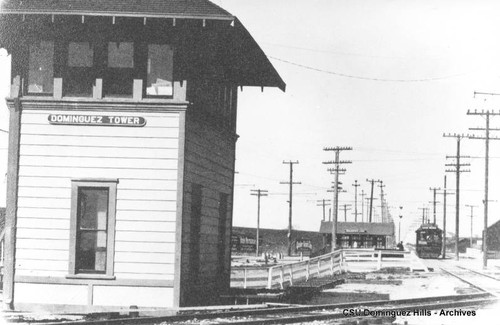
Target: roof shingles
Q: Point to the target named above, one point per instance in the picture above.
(157, 8)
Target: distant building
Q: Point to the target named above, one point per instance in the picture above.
(359, 234)
(122, 155)
(494, 237)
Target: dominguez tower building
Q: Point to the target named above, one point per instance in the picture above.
(121, 151)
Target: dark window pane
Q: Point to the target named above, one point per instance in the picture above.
(160, 70)
(41, 68)
(120, 55)
(91, 236)
(80, 54)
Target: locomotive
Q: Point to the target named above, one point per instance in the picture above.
(429, 241)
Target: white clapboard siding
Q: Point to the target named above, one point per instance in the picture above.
(29, 202)
(40, 254)
(47, 265)
(90, 131)
(75, 172)
(50, 213)
(49, 244)
(146, 215)
(139, 276)
(98, 162)
(129, 194)
(145, 226)
(152, 119)
(134, 184)
(144, 237)
(146, 205)
(43, 223)
(42, 273)
(129, 153)
(42, 233)
(144, 268)
(128, 257)
(111, 142)
(33, 192)
(144, 247)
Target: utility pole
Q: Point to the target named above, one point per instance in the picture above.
(457, 172)
(445, 193)
(424, 210)
(363, 205)
(434, 189)
(291, 183)
(337, 162)
(471, 217)
(487, 139)
(381, 185)
(356, 185)
(323, 204)
(345, 211)
(258, 193)
(399, 229)
(372, 181)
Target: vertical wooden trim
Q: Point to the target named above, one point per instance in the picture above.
(97, 89)
(11, 213)
(178, 294)
(110, 254)
(137, 91)
(72, 231)
(90, 294)
(58, 88)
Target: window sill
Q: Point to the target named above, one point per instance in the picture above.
(91, 276)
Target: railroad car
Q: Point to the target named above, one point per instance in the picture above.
(429, 241)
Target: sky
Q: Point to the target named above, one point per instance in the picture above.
(385, 77)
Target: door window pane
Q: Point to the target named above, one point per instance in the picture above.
(41, 68)
(91, 237)
(160, 70)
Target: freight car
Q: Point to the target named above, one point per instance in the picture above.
(429, 241)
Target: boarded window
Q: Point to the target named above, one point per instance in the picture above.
(160, 70)
(92, 227)
(41, 68)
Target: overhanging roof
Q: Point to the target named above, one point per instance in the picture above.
(353, 228)
(202, 9)
(245, 62)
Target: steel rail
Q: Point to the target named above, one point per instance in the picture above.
(280, 310)
(284, 319)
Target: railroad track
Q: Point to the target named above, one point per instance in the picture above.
(348, 313)
(481, 281)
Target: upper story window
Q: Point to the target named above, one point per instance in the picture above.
(79, 73)
(160, 70)
(119, 73)
(41, 68)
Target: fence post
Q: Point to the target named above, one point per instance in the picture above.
(331, 264)
(245, 278)
(319, 267)
(341, 261)
(379, 262)
(291, 274)
(307, 270)
(270, 278)
(282, 276)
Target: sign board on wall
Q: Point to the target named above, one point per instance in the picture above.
(97, 120)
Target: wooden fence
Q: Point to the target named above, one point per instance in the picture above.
(284, 275)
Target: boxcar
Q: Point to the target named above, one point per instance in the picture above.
(429, 241)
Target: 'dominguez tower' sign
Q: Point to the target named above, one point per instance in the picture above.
(97, 120)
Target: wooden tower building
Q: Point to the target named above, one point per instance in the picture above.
(121, 150)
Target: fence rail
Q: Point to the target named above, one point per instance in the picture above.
(284, 275)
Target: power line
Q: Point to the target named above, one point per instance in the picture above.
(364, 78)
